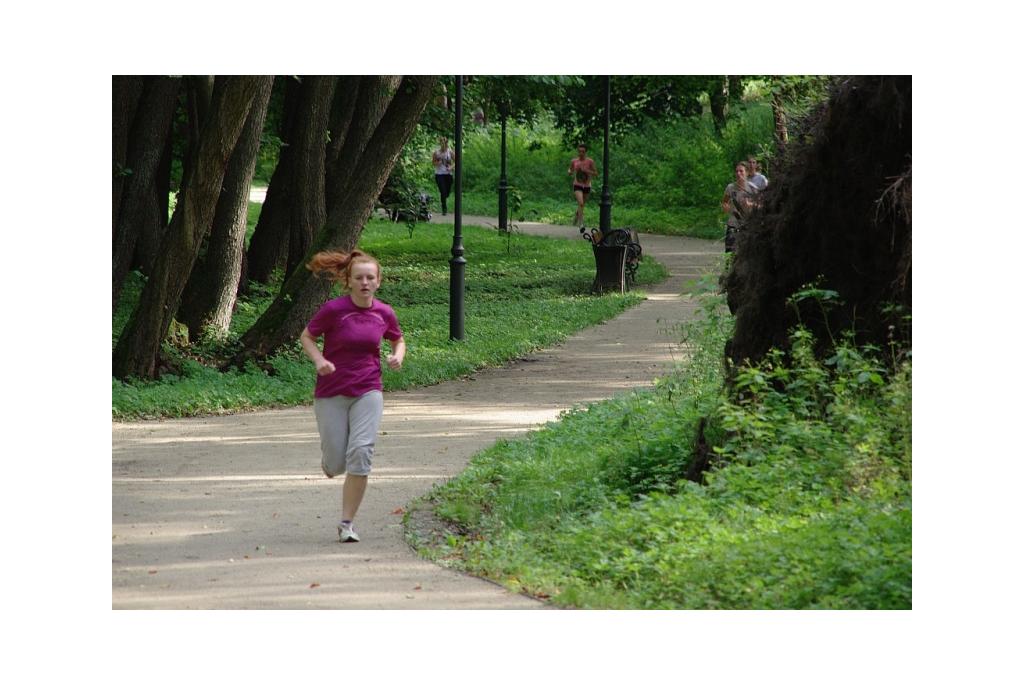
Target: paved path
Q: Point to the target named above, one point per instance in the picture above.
(233, 512)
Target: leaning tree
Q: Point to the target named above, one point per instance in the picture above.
(142, 110)
(375, 131)
(212, 290)
(138, 347)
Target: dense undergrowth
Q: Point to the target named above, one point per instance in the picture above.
(522, 293)
(809, 505)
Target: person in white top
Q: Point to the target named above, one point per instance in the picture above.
(738, 201)
(444, 162)
(754, 175)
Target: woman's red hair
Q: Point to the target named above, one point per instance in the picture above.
(337, 265)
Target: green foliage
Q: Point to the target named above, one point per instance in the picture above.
(520, 296)
(523, 99)
(799, 93)
(664, 176)
(809, 505)
(268, 156)
(634, 101)
(535, 162)
(748, 132)
(413, 169)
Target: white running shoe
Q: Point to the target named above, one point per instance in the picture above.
(346, 534)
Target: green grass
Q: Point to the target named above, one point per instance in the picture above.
(523, 293)
(682, 221)
(810, 507)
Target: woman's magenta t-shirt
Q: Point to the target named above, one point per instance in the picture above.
(352, 336)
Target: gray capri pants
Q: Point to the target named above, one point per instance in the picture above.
(348, 431)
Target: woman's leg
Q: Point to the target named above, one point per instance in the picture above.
(730, 239)
(332, 423)
(352, 495)
(444, 189)
(580, 199)
(363, 420)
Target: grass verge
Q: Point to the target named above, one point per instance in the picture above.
(809, 506)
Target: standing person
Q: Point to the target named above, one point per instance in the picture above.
(582, 169)
(349, 397)
(444, 162)
(754, 175)
(737, 203)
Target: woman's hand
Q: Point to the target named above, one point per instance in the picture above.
(394, 360)
(323, 367)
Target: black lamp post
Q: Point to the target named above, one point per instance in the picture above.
(457, 290)
(503, 182)
(606, 194)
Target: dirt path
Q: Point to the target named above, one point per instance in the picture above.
(233, 512)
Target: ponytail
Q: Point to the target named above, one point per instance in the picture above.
(335, 266)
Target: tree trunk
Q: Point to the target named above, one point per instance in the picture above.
(268, 247)
(308, 206)
(139, 345)
(140, 201)
(200, 97)
(372, 100)
(302, 295)
(346, 95)
(346, 99)
(212, 289)
(154, 221)
(718, 97)
(126, 94)
(781, 126)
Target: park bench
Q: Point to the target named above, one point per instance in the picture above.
(616, 256)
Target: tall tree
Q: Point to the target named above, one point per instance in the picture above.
(343, 110)
(137, 195)
(268, 247)
(309, 150)
(126, 93)
(358, 104)
(138, 347)
(301, 295)
(371, 96)
(212, 289)
(722, 91)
